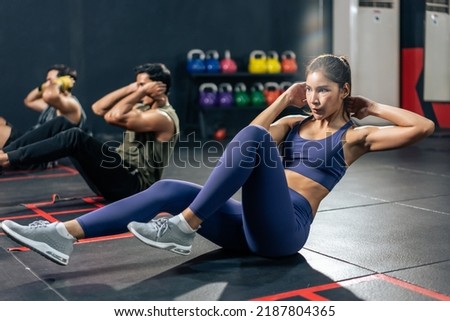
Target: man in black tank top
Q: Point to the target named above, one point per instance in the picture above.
(113, 170)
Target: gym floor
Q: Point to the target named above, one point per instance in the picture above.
(381, 235)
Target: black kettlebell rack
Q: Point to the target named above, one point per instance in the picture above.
(232, 118)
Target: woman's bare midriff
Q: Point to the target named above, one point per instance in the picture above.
(309, 189)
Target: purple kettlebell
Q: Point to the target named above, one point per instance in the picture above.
(225, 95)
(208, 95)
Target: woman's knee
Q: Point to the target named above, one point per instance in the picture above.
(254, 131)
(253, 135)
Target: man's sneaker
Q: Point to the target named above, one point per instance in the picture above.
(163, 234)
(41, 237)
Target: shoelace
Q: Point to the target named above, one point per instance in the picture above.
(162, 225)
(38, 224)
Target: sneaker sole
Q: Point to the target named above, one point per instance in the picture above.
(172, 247)
(38, 247)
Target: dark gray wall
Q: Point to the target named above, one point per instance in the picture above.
(105, 39)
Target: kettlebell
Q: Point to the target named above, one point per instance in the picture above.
(220, 133)
(196, 61)
(271, 92)
(284, 86)
(257, 94)
(257, 62)
(212, 61)
(288, 62)
(225, 98)
(228, 65)
(241, 97)
(207, 94)
(273, 62)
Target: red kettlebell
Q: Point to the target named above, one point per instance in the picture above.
(220, 133)
(288, 62)
(228, 65)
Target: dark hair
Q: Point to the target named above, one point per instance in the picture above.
(156, 72)
(64, 70)
(335, 68)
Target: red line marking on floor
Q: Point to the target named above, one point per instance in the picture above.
(92, 201)
(311, 293)
(414, 288)
(40, 212)
(307, 293)
(88, 240)
(34, 177)
(80, 210)
(69, 169)
(313, 296)
(106, 238)
(68, 172)
(19, 216)
(34, 214)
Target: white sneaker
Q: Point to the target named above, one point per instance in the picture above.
(162, 233)
(41, 237)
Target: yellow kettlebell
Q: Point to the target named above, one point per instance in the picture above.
(273, 62)
(65, 82)
(257, 62)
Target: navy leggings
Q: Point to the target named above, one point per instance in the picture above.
(272, 220)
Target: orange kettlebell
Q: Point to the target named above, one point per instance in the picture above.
(288, 62)
(271, 92)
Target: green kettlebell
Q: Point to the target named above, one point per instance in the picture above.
(257, 94)
(241, 97)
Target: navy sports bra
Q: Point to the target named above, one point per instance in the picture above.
(321, 160)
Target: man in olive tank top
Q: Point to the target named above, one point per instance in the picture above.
(151, 125)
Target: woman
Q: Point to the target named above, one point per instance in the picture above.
(285, 169)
